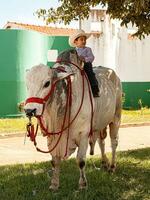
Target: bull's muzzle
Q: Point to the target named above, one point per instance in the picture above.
(30, 112)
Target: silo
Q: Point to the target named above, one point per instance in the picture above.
(8, 73)
(20, 50)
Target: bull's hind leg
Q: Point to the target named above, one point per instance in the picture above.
(55, 173)
(81, 155)
(92, 141)
(114, 143)
(114, 127)
(101, 141)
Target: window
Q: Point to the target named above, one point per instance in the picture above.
(52, 55)
(96, 27)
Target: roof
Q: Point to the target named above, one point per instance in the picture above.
(42, 29)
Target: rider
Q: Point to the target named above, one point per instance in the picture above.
(78, 40)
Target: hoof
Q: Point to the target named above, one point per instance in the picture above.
(91, 152)
(112, 168)
(83, 186)
(105, 165)
(53, 187)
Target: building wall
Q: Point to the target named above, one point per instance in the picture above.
(129, 57)
(104, 38)
(133, 69)
(20, 50)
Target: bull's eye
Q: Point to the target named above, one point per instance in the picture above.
(46, 84)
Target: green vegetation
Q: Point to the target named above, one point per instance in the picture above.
(137, 12)
(131, 180)
(135, 116)
(18, 125)
(14, 126)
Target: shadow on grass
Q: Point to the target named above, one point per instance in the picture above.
(142, 154)
(31, 181)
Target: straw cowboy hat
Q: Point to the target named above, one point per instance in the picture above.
(76, 35)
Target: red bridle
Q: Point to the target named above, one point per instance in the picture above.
(41, 100)
(30, 127)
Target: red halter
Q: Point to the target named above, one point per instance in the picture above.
(30, 127)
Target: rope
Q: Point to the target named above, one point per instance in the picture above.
(43, 151)
(30, 126)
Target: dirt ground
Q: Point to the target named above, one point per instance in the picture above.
(15, 150)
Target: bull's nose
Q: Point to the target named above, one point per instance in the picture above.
(30, 112)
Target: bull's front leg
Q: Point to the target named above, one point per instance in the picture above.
(55, 173)
(81, 155)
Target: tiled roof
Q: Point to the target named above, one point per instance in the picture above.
(42, 29)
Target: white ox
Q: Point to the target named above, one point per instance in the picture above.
(107, 111)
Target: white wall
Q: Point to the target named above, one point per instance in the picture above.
(129, 58)
(133, 63)
(104, 46)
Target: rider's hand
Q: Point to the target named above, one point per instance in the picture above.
(82, 58)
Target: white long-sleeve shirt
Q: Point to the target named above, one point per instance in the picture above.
(86, 52)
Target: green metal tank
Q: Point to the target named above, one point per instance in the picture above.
(20, 50)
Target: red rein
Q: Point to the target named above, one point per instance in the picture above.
(30, 127)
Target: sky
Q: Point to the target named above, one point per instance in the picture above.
(21, 11)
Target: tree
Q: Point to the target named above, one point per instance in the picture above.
(135, 11)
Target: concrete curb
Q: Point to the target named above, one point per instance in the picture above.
(7, 135)
(134, 124)
(20, 134)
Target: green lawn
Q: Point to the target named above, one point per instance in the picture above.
(131, 181)
(135, 116)
(8, 126)
(13, 125)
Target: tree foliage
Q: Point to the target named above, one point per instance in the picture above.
(135, 11)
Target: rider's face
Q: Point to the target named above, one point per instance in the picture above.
(80, 42)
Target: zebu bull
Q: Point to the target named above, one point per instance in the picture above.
(65, 111)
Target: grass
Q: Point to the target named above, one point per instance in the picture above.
(136, 116)
(131, 181)
(13, 125)
(16, 125)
